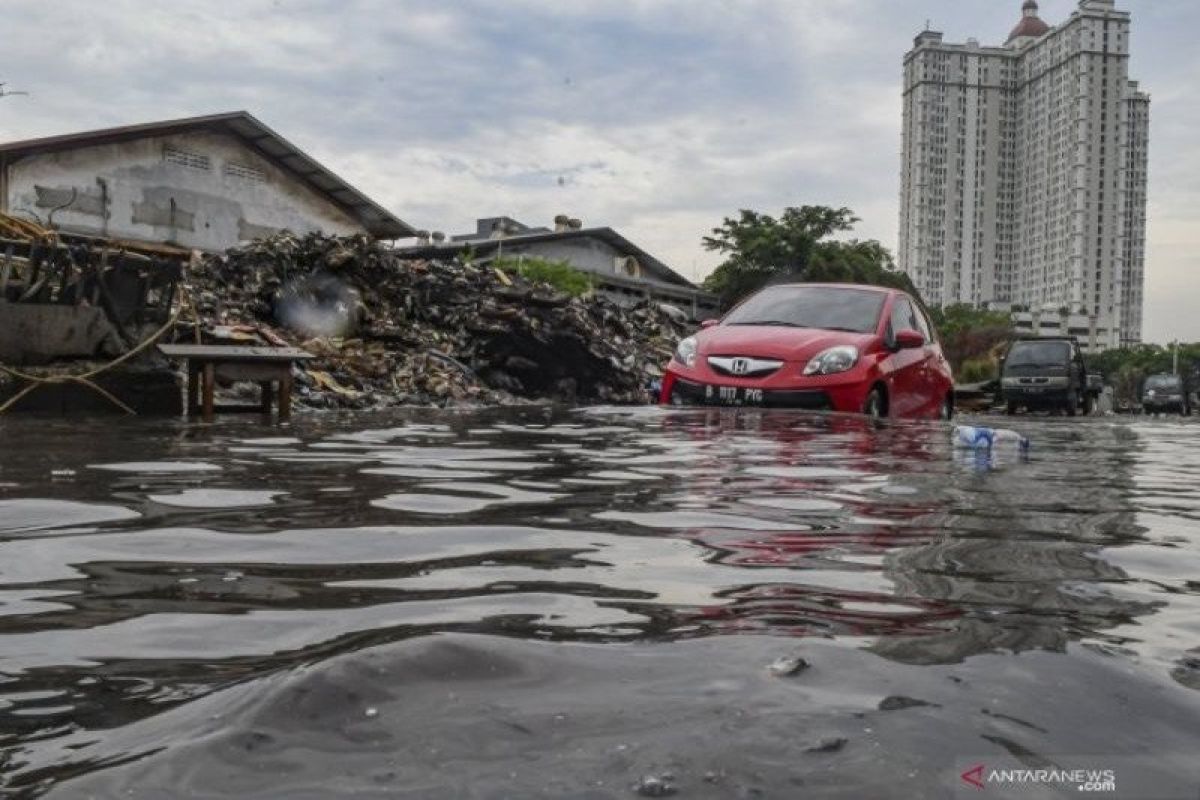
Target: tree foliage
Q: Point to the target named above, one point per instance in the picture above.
(760, 249)
(558, 274)
(973, 339)
(1126, 369)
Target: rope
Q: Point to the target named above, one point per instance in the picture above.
(31, 231)
(85, 378)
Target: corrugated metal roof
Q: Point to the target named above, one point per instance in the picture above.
(378, 221)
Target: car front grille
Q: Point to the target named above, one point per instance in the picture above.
(743, 366)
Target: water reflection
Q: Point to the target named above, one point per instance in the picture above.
(166, 564)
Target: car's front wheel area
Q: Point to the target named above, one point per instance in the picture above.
(876, 404)
(946, 413)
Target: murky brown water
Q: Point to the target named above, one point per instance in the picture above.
(521, 603)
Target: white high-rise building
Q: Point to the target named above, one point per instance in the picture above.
(1024, 173)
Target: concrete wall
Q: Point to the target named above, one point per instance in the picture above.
(201, 190)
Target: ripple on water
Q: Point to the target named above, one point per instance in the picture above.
(601, 600)
(25, 515)
(804, 473)
(461, 497)
(808, 505)
(427, 472)
(159, 467)
(683, 520)
(217, 498)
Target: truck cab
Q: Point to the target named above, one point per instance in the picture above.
(1046, 373)
(1165, 393)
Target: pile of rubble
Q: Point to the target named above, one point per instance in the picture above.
(390, 331)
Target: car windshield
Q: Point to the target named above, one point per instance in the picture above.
(828, 308)
(1162, 382)
(1039, 354)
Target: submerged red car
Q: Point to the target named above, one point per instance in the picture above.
(833, 347)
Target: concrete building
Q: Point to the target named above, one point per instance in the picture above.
(203, 182)
(620, 269)
(1024, 175)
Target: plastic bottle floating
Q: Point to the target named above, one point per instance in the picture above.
(975, 438)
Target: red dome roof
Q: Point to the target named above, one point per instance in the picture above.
(1031, 24)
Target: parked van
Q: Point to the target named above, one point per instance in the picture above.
(1165, 394)
(1046, 373)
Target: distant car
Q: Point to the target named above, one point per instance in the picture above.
(1165, 394)
(835, 347)
(1046, 373)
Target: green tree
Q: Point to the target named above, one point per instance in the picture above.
(1128, 367)
(760, 249)
(972, 339)
(558, 274)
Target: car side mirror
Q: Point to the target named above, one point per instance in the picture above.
(909, 340)
(708, 323)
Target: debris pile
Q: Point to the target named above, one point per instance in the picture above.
(389, 331)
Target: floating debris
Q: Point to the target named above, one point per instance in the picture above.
(656, 786)
(829, 745)
(387, 330)
(787, 666)
(899, 703)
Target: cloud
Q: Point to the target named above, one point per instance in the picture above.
(658, 117)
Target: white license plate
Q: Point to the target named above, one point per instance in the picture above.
(733, 396)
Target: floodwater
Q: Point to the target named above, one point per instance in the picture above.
(595, 603)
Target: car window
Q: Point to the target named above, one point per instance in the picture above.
(903, 317)
(828, 308)
(1039, 354)
(923, 323)
(1162, 382)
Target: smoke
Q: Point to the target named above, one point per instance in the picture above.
(319, 306)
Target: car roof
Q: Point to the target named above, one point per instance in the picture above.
(865, 287)
(1040, 340)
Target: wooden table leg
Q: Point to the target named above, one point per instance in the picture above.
(266, 388)
(193, 389)
(210, 380)
(285, 396)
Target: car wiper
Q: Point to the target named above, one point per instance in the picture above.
(775, 322)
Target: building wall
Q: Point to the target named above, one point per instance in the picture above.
(1093, 338)
(1135, 177)
(588, 255)
(1024, 175)
(202, 190)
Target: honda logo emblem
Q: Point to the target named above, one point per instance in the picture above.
(740, 366)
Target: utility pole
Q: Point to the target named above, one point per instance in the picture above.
(1175, 357)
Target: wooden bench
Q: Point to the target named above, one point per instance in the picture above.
(270, 367)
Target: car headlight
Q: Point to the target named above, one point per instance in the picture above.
(834, 360)
(685, 353)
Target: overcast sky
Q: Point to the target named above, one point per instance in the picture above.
(658, 117)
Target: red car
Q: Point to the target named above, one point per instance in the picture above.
(833, 347)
